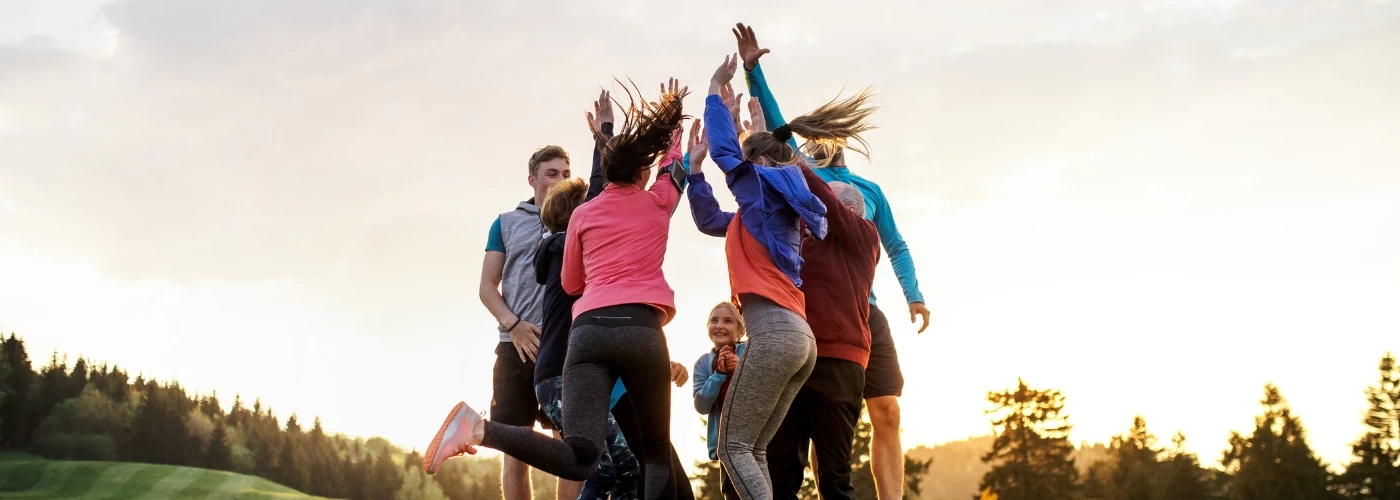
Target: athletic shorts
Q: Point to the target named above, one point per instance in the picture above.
(513, 390)
(882, 374)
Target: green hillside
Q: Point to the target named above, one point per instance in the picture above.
(29, 477)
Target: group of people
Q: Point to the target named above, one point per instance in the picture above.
(573, 277)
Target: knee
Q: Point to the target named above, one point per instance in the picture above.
(586, 457)
(884, 412)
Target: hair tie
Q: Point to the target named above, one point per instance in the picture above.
(783, 133)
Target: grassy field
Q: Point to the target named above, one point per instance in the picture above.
(29, 477)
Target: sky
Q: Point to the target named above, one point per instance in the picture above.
(1156, 206)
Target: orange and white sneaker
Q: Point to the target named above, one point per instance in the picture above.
(454, 438)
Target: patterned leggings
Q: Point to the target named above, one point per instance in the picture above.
(618, 472)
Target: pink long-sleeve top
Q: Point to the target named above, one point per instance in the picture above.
(616, 244)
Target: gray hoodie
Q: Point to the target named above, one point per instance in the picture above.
(521, 230)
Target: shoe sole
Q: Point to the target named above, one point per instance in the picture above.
(437, 439)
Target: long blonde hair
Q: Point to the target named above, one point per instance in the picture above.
(828, 129)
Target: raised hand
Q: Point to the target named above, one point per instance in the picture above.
(602, 113)
(759, 124)
(724, 73)
(698, 147)
(748, 46)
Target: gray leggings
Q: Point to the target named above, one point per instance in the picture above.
(780, 355)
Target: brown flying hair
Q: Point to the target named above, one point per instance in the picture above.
(564, 196)
(645, 135)
(828, 130)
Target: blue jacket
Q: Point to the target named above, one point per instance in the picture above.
(773, 200)
(877, 208)
(707, 383)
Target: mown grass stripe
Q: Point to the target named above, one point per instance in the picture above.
(77, 481)
(204, 483)
(111, 481)
(143, 481)
(23, 476)
(172, 484)
(55, 475)
(232, 488)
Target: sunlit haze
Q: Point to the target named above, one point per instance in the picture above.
(1154, 206)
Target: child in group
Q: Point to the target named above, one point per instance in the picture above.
(712, 371)
(613, 252)
(884, 380)
(762, 248)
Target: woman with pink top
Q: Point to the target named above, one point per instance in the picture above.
(613, 251)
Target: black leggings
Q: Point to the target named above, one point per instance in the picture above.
(606, 344)
(626, 416)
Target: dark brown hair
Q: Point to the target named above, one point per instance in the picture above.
(545, 154)
(564, 196)
(828, 130)
(645, 136)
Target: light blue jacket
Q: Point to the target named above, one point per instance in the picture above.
(707, 383)
(877, 208)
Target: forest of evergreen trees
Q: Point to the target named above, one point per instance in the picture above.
(1031, 457)
(86, 412)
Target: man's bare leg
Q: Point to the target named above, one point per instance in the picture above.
(886, 452)
(515, 479)
(568, 490)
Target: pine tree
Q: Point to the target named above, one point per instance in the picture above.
(384, 479)
(218, 456)
(326, 476)
(1375, 475)
(15, 411)
(291, 464)
(1275, 462)
(914, 472)
(1031, 452)
(78, 380)
(1183, 476)
(52, 389)
(1134, 463)
(417, 486)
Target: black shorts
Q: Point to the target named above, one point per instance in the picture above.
(882, 374)
(513, 390)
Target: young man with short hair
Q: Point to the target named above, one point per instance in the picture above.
(510, 292)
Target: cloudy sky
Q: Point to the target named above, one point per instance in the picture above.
(1156, 206)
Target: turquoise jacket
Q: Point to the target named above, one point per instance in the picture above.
(877, 208)
(707, 383)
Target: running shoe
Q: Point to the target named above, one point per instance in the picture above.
(454, 438)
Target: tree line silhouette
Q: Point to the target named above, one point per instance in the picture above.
(87, 412)
(1032, 459)
(98, 412)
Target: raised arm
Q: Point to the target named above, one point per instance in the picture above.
(601, 124)
(669, 183)
(719, 130)
(753, 77)
(709, 218)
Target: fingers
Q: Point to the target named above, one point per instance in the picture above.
(763, 51)
(925, 326)
(520, 351)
